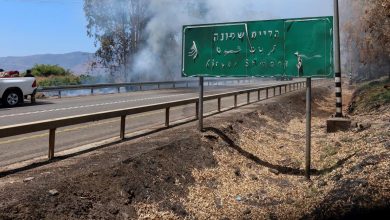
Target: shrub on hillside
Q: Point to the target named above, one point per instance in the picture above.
(370, 96)
(49, 70)
(59, 80)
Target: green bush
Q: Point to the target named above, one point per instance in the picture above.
(59, 81)
(86, 79)
(49, 70)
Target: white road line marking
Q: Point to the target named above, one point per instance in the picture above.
(87, 106)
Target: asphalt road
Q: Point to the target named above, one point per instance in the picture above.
(28, 146)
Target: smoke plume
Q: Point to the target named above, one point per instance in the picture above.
(158, 57)
(162, 52)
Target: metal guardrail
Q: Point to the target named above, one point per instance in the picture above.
(53, 124)
(140, 85)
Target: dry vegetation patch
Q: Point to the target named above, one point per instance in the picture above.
(247, 165)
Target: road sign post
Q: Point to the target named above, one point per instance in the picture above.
(200, 106)
(308, 128)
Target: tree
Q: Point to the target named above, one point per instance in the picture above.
(367, 36)
(377, 29)
(118, 29)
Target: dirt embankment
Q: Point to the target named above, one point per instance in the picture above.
(247, 165)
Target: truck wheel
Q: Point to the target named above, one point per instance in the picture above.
(12, 98)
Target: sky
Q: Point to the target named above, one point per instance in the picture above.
(30, 27)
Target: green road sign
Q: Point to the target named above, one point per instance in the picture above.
(285, 47)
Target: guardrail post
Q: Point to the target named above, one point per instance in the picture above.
(140, 87)
(219, 104)
(123, 127)
(289, 87)
(235, 100)
(285, 88)
(174, 85)
(187, 84)
(266, 93)
(274, 91)
(280, 90)
(33, 99)
(258, 94)
(119, 89)
(167, 116)
(248, 97)
(59, 94)
(91, 91)
(52, 141)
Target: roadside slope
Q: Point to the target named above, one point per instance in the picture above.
(248, 164)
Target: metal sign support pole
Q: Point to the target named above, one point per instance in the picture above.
(337, 63)
(200, 110)
(308, 127)
(337, 123)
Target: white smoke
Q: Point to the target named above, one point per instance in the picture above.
(160, 57)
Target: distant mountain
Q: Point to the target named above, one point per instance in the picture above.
(77, 62)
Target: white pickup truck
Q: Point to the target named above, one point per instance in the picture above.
(13, 90)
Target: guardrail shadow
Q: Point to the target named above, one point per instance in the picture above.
(279, 168)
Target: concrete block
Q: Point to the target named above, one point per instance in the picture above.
(338, 124)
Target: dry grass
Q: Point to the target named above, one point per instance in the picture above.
(249, 165)
(280, 143)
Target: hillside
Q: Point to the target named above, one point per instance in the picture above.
(77, 62)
